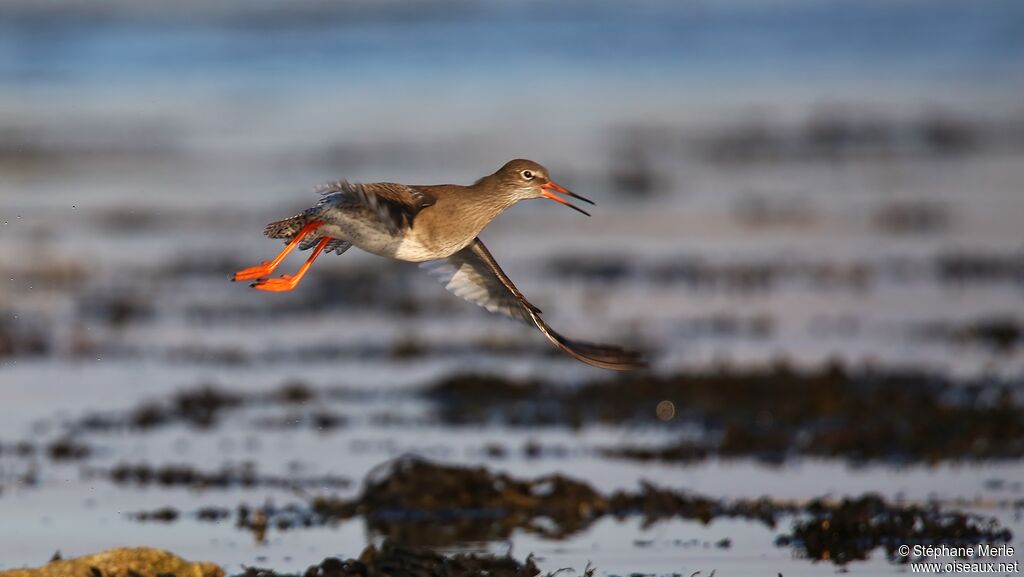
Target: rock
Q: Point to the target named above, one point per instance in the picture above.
(124, 562)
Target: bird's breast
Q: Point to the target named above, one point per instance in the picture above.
(418, 246)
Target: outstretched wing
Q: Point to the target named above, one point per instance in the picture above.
(395, 204)
(467, 275)
(473, 274)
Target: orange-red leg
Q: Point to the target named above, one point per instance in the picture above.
(264, 269)
(288, 282)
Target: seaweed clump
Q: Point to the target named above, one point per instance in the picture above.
(471, 504)
(392, 559)
(227, 477)
(769, 413)
(850, 530)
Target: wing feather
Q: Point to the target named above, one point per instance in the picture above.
(473, 274)
(466, 278)
(395, 204)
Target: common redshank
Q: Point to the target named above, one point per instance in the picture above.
(437, 226)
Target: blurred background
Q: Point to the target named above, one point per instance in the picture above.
(780, 181)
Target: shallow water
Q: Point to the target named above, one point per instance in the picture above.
(805, 182)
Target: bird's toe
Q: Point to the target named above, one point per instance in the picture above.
(280, 284)
(252, 273)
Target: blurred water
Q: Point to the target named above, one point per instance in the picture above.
(774, 179)
(521, 44)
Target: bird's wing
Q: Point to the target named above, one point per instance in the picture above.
(336, 245)
(467, 275)
(395, 204)
(473, 274)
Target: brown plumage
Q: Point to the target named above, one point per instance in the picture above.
(436, 225)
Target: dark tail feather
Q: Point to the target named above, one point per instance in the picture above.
(286, 228)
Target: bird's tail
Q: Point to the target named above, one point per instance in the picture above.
(286, 228)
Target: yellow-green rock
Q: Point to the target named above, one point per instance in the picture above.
(141, 561)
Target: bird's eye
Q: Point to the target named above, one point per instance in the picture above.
(528, 174)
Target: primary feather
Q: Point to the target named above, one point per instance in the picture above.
(473, 274)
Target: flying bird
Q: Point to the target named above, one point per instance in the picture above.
(438, 227)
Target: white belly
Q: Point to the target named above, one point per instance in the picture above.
(371, 236)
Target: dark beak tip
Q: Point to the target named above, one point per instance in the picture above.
(586, 200)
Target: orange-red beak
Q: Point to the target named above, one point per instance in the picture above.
(550, 188)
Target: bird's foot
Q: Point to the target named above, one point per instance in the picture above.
(279, 284)
(253, 272)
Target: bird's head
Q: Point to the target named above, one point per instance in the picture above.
(527, 179)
